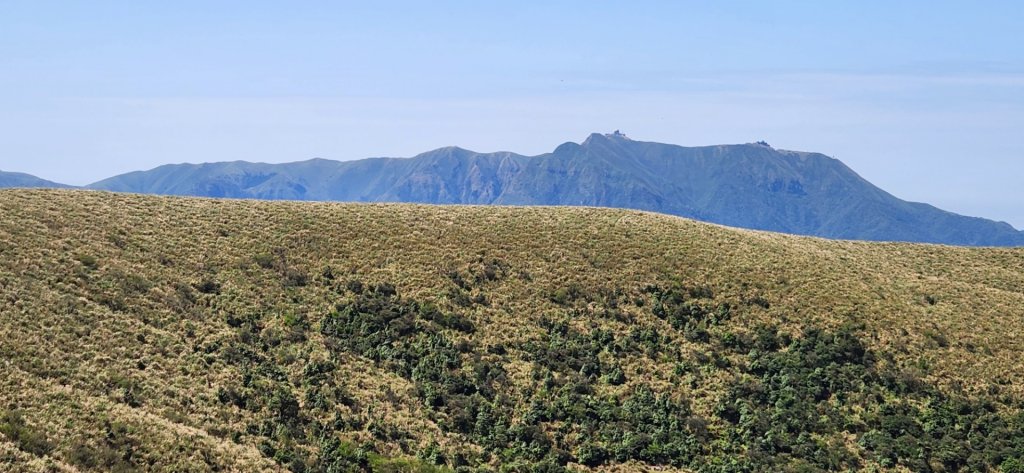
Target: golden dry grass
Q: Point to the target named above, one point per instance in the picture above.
(92, 305)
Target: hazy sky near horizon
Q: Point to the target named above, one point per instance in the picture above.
(924, 99)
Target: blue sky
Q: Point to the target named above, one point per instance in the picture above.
(925, 99)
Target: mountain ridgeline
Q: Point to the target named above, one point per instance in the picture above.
(17, 179)
(750, 186)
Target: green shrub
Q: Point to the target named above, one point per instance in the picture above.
(591, 455)
(88, 261)
(28, 438)
(1012, 465)
(615, 377)
(295, 277)
(114, 451)
(265, 260)
(208, 286)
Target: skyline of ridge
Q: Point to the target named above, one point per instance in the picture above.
(1010, 212)
(925, 100)
(750, 185)
(561, 153)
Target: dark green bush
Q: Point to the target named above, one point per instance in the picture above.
(28, 438)
(208, 286)
(1012, 465)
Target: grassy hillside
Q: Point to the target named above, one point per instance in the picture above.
(179, 334)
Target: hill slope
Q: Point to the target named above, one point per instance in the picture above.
(750, 186)
(17, 179)
(157, 333)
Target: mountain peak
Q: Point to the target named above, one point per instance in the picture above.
(450, 151)
(617, 135)
(566, 149)
(613, 137)
(456, 150)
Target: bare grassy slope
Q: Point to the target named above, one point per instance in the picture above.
(130, 326)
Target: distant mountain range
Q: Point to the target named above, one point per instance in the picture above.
(750, 186)
(17, 179)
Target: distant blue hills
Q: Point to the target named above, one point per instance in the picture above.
(18, 179)
(750, 186)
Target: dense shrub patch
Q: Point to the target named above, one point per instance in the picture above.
(793, 403)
